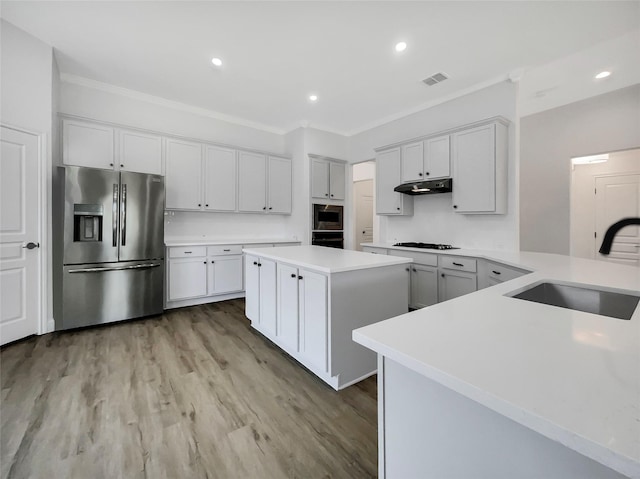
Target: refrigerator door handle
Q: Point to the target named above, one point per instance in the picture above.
(114, 220)
(123, 215)
(116, 268)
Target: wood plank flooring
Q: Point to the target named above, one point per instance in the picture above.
(192, 393)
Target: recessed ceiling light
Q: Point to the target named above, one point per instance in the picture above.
(603, 74)
(401, 46)
(216, 61)
(313, 98)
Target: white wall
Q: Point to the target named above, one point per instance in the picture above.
(548, 140)
(364, 171)
(434, 219)
(26, 81)
(583, 204)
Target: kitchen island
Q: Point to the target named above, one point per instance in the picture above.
(309, 299)
(487, 385)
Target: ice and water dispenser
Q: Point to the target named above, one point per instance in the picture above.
(87, 222)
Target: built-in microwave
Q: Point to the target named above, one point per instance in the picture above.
(327, 217)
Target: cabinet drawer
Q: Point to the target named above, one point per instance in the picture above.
(501, 272)
(187, 251)
(371, 249)
(419, 258)
(224, 249)
(458, 263)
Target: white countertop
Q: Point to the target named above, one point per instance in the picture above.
(208, 240)
(326, 260)
(573, 377)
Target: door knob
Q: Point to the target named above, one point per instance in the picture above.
(363, 232)
(31, 245)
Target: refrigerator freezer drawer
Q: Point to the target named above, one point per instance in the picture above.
(106, 292)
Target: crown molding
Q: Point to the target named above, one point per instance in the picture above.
(176, 105)
(430, 104)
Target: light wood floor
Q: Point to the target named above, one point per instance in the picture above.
(193, 393)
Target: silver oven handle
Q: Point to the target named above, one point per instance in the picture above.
(115, 268)
(114, 212)
(123, 215)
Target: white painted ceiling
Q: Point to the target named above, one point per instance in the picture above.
(276, 53)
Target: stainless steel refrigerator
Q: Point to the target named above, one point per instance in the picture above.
(108, 246)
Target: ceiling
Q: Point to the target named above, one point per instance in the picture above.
(277, 53)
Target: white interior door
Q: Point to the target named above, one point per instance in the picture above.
(618, 197)
(19, 265)
(363, 191)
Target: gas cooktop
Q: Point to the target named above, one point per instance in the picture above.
(426, 245)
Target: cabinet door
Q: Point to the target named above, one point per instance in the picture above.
(220, 179)
(313, 318)
(87, 144)
(139, 152)
(424, 286)
(412, 162)
(455, 283)
(268, 311)
(319, 179)
(183, 181)
(187, 278)
(225, 274)
(279, 185)
(437, 158)
(474, 174)
(252, 288)
(252, 182)
(389, 202)
(336, 181)
(288, 306)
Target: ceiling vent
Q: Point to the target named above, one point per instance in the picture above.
(435, 78)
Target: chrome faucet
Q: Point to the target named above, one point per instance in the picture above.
(613, 230)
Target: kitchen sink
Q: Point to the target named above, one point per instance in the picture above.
(587, 298)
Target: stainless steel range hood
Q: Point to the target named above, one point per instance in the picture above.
(429, 187)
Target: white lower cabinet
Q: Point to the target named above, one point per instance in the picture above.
(261, 292)
(224, 274)
(302, 313)
(491, 273)
(187, 278)
(424, 286)
(452, 284)
(312, 293)
(199, 274)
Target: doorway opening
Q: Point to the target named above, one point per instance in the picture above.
(365, 224)
(604, 189)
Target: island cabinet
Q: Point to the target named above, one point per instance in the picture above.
(309, 299)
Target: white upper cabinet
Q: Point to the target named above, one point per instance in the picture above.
(437, 158)
(101, 146)
(252, 184)
(319, 178)
(412, 162)
(183, 175)
(480, 169)
(388, 176)
(220, 179)
(279, 187)
(139, 152)
(336, 181)
(426, 160)
(327, 179)
(87, 144)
